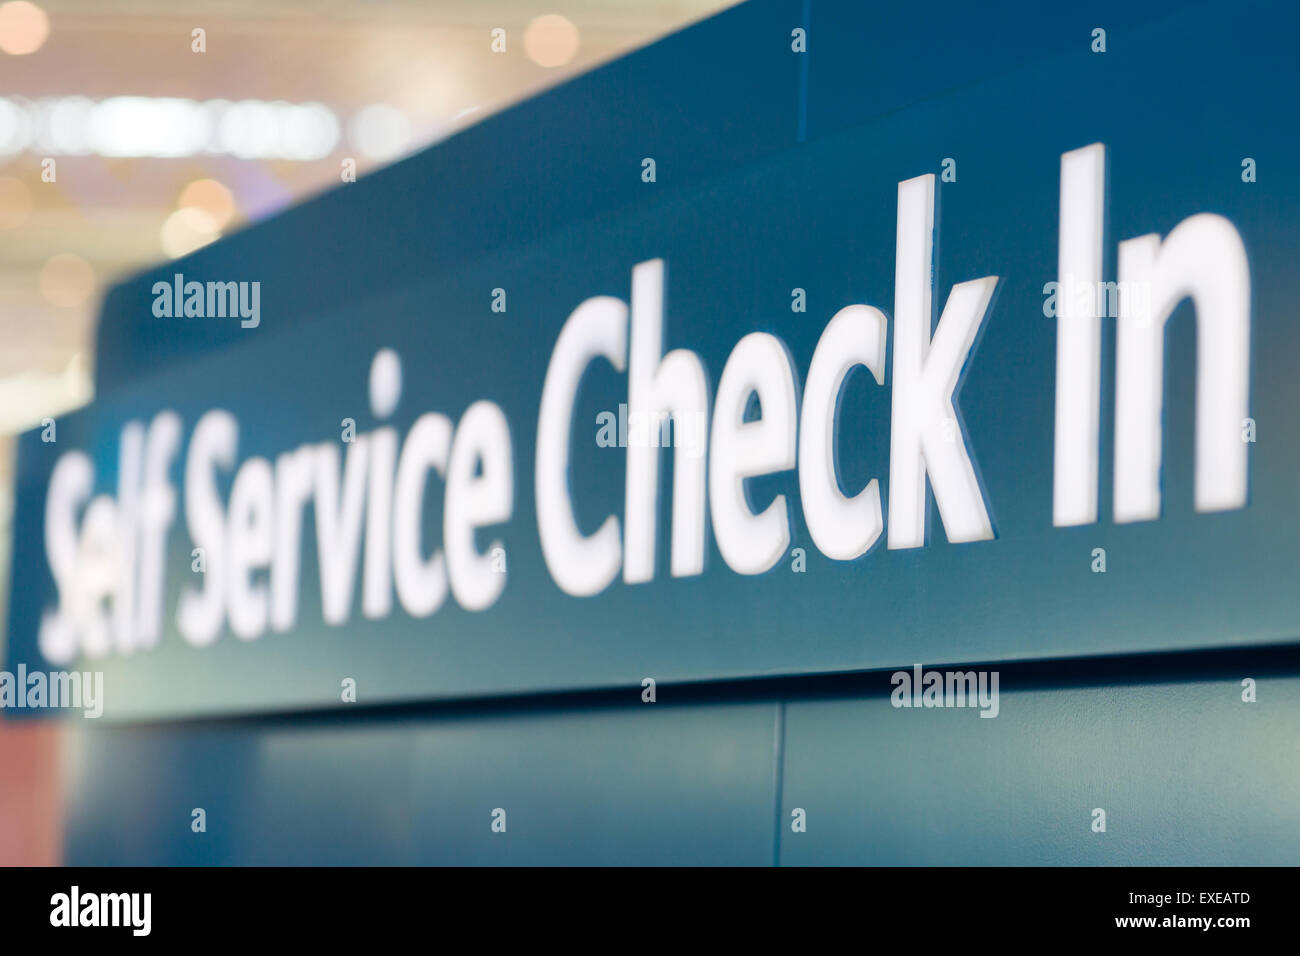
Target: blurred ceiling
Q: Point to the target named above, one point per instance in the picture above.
(157, 148)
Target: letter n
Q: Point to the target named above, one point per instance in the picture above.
(1202, 259)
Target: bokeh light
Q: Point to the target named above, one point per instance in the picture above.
(186, 230)
(24, 27)
(67, 280)
(210, 197)
(380, 131)
(551, 40)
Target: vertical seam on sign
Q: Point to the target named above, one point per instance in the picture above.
(802, 133)
(778, 778)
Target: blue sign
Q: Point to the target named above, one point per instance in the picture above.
(1006, 374)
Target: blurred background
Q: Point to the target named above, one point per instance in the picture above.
(128, 137)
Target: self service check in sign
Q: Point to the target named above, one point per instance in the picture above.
(1059, 420)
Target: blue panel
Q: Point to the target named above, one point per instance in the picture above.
(327, 795)
(287, 793)
(868, 59)
(647, 785)
(1186, 772)
(130, 794)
